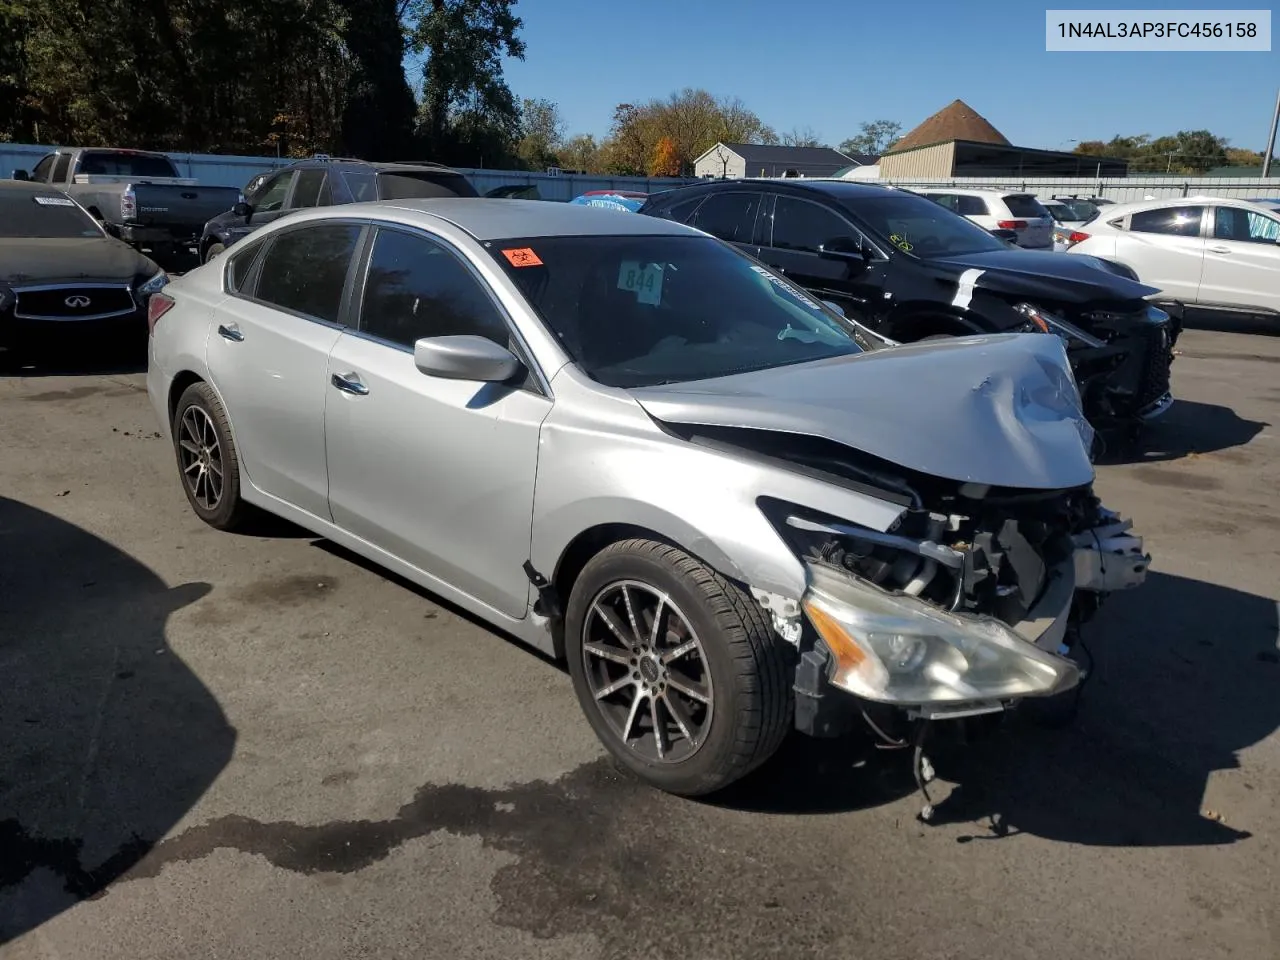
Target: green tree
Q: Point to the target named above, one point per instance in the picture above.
(541, 134)
(874, 137)
(692, 119)
(379, 108)
(15, 111)
(466, 103)
(581, 152)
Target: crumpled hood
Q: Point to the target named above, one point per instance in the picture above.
(25, 260)
(1000, 410)
(1041, 276)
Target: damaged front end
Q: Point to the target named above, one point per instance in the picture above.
(972, 602)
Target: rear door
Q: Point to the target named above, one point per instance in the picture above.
(793, 230)
(1165, 247)
(1242, 260)
(1031, 220)
(269, 359)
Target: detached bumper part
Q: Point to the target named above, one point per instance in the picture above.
(1110, 558)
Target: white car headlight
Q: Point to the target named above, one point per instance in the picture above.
(154, 285)
(1046, 322)
(901, 650)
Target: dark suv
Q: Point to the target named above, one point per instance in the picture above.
(912, 270)
(321, 181)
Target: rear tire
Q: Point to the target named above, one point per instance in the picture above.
(711, 683)
(208, 464)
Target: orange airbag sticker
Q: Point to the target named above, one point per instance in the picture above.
(523, 257)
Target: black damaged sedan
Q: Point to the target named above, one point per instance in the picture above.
(913, 270)
(64, 282)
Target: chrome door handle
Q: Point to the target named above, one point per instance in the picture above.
(349, 383)
(230, 332)
(1219, 249)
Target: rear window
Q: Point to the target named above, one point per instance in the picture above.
(408, 186)
(125, 165)
(1024, 205)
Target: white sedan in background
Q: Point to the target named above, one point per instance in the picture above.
(1209, 252)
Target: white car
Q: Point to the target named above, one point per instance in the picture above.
(1209, 252)
(994, 210)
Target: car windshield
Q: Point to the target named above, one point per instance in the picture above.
(43, 217)
(920, 227)
(637, 311)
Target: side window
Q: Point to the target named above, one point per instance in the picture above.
(271, 196)
(1174, 221)
(310, 187)
(60, 169)
(361, 185)
(1232, 223)
(971, 207)
(416, 288)
(943, 200)
(801, 225)
(239, 265)
(305, 269)
(41, 173)
(729, 216)
(682, 211)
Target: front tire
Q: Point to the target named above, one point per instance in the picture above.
(207, 459)
(213, 250)
(679, 672)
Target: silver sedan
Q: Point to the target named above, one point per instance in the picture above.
(632, 446)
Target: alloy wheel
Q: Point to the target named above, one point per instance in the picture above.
(647, 671)
(201, 457)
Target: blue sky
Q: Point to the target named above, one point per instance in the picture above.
(829, 64)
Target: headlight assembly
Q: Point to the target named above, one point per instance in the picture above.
(154, 285)
(899, 650)
(1045, 322)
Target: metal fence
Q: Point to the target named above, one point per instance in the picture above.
(229, 171)
(1119, 189)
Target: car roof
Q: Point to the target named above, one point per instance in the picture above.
(497, 219)
(28, 187)
(831, 186)
(389, 166)
(1115, 210)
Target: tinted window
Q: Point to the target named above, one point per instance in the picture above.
(1175, 221)
(920, 227)
(312, 189)
(60, 170)
(407, 186)
(305, 269)
(45, 215)
(1024, 205)
(125, 165)
(41, 172)
(416, 288)
(361, 186)
(240, 264)
(637, 311)
(971, 206)
(682, 211)
(800, 225)
(271, 196)
(1232, 223)
(729, 216)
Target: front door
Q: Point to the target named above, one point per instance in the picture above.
(792, 237)
(1242, 260)
(437, 472)
(1165, 248)
(269, 359)
(269, 200)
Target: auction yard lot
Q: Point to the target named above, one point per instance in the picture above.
(222, 745)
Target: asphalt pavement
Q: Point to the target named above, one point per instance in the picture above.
(258, 746)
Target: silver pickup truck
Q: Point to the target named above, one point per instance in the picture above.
(137, 196)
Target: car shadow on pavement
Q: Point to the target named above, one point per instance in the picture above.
(1189, 427)
(109, 738)
(1184, 679)
(117, 361)
(1231, 322)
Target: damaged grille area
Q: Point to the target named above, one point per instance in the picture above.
(1141, 377)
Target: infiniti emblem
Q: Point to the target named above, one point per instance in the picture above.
(77, 302)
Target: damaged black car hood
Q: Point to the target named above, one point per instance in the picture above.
(1000, 410)
(1037, 275)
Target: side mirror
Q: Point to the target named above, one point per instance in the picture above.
(843, 248)
(833, 307)
(465, 358)
(21, 175)
(242, 209)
